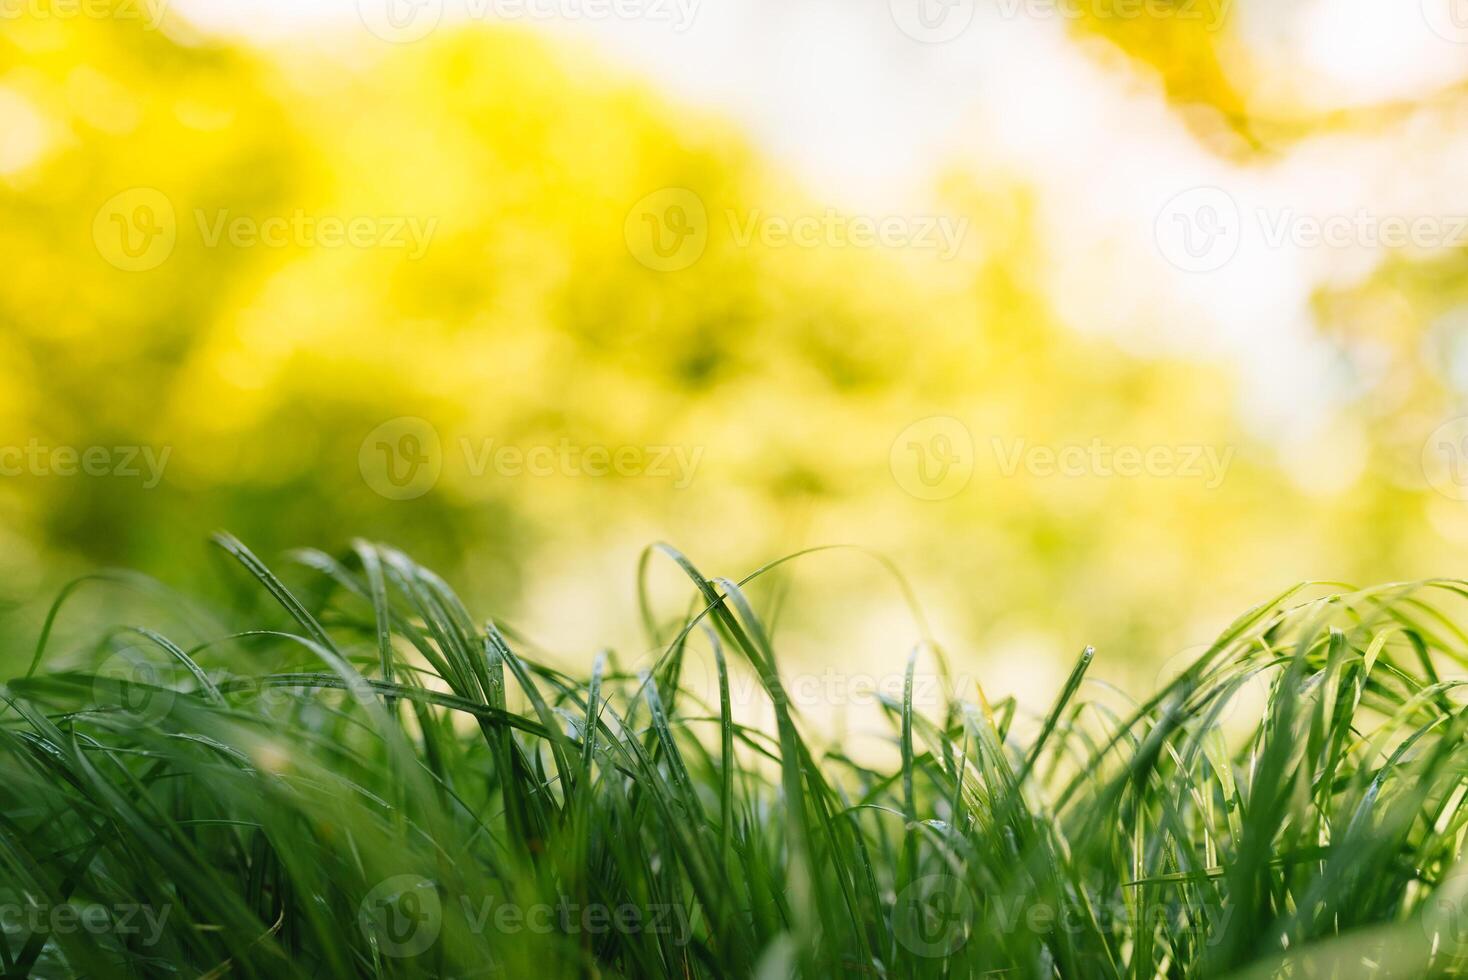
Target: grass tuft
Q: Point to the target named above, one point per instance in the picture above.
(369, 781)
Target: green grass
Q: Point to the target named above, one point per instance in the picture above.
(361, 779)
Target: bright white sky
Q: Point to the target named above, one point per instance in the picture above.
(836, 91)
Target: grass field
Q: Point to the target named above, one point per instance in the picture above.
(364, 779)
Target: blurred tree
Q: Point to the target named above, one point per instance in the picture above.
(176, 223)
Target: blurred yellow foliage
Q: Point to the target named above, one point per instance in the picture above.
(449, 232)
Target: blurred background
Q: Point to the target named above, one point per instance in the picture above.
(1102, 319)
